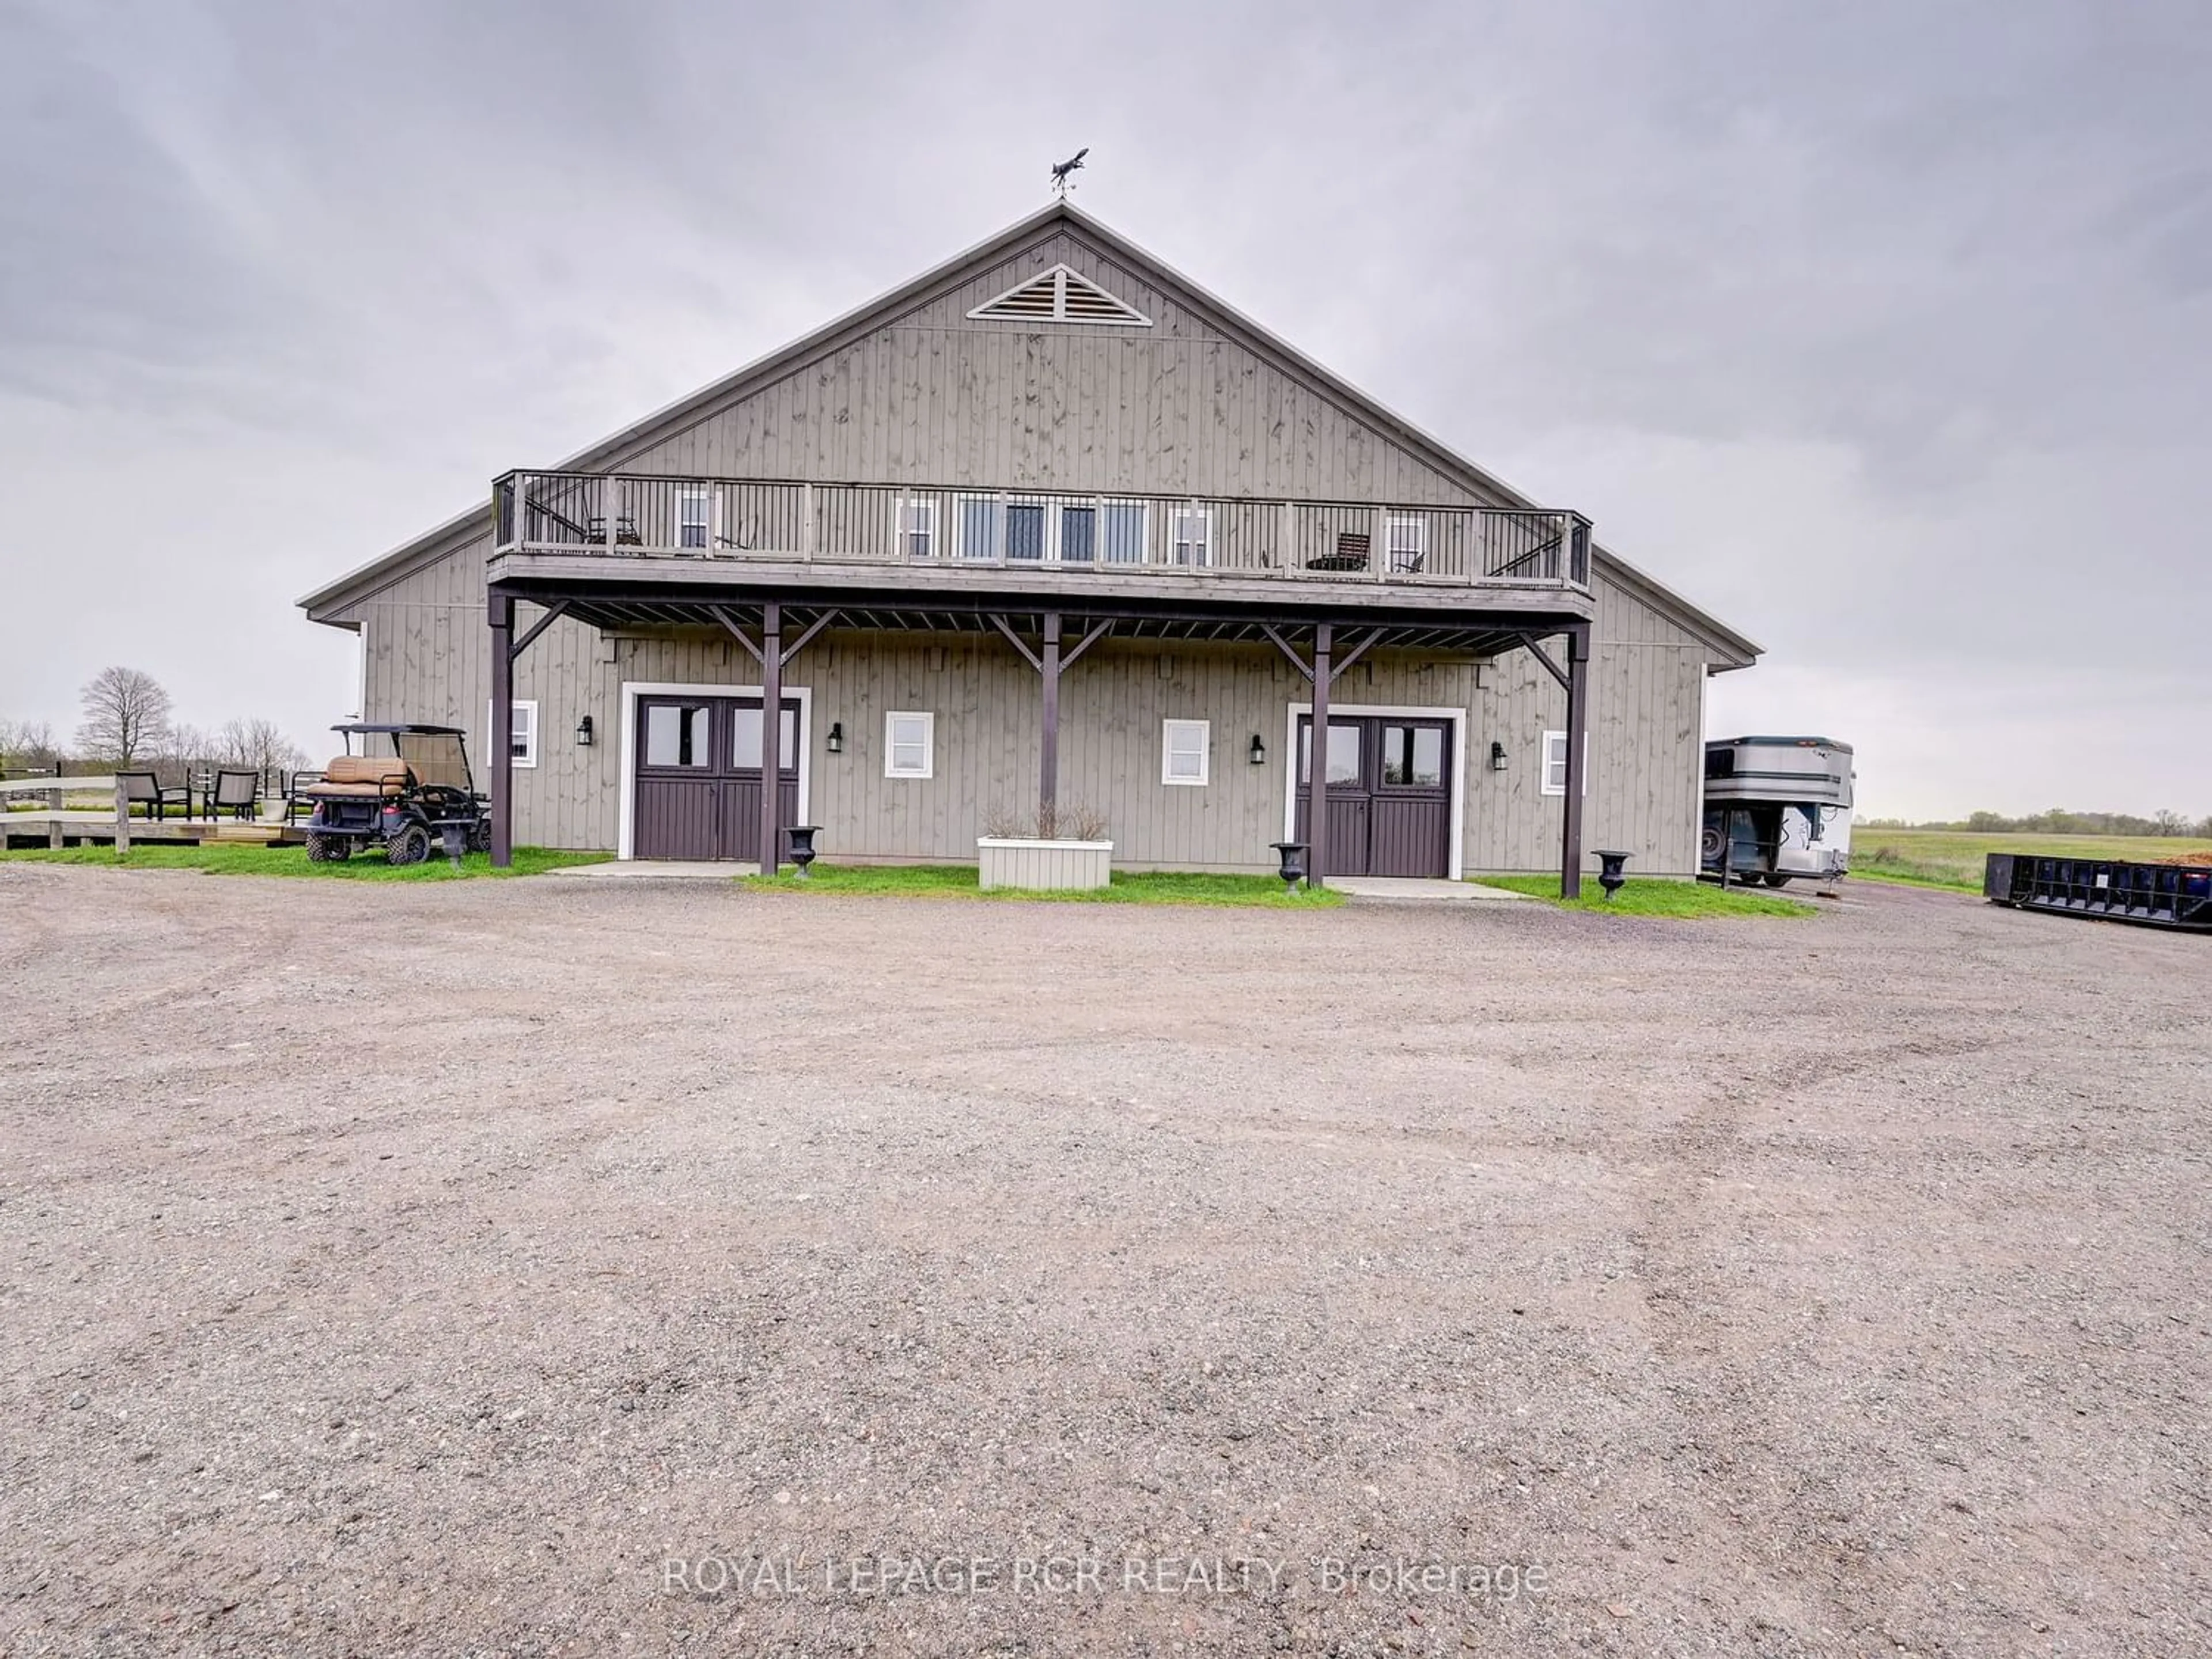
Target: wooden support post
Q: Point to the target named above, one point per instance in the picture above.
(771, 852)
(1049, 761)
(499, 608)
(122, 819)
(1571, 837)
(54, 823)
(1317, 766)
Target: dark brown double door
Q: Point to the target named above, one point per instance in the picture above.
(698, 785)
(1389, 795)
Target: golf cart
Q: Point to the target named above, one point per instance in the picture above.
(407, 790)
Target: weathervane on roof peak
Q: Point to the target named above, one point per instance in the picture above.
(1063, 173)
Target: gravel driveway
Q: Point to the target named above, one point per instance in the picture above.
(560, 1267)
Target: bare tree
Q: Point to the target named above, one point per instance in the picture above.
(190, 746)
(126, 715)
(260, 744)
(28, 744)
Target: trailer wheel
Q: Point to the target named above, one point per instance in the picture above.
(410, 844)
(1711, 844)
(328, 849)
(1778, 877)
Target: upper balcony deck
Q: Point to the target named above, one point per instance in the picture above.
(939, 543)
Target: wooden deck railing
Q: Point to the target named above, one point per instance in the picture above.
(708, 519)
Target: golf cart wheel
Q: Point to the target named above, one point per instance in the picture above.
(410, 844)
(328, 849)
(480, 835)
(1711, 844)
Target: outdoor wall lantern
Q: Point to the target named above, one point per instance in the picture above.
(584, 732)
(1259, 750)
(1497, 757)
(836, 741)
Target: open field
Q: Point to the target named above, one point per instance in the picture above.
(419, 1268)
(1954, 858)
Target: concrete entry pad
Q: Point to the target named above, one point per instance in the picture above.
(657, 870)
(1422, 890)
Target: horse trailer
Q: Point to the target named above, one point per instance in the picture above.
(1776, 809)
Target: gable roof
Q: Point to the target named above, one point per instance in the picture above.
(1735, 648)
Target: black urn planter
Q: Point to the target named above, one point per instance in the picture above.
(802, 845)
(1612, 873)
(1293, 855)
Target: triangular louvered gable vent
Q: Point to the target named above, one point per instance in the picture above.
(1060, 296)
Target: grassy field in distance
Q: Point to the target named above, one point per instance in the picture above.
(1953, 858)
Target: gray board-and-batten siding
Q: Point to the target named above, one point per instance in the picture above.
(426, 657)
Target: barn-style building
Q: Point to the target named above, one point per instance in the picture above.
(1048, 522)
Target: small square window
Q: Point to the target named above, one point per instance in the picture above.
(1190, 534)
(909, 744)
(1555, 763)
(917, 529)
(524, 747)
(1184, 748)
(694, 515)
(1409, 546)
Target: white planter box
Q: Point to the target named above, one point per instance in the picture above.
(1043, 865)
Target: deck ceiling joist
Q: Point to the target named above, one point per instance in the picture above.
(1476, 635)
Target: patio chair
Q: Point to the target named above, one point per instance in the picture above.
(1351, 554)
(625, 530)
(296, 798)
(144, 789)
(238, 793)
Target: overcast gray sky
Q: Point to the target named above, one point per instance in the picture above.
(1882, 331)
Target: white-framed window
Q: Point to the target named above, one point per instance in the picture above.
(910, 743)
(917, 528)
(1555, 763)
(975, 521)
(1184, 748)
(694, 515)
(1125, 530)
(1409, 545)
(1190, 534)
(525, 732)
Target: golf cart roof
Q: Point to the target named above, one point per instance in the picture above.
(425, 731)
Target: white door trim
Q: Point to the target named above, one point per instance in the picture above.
(1458, 717)
(633, 689)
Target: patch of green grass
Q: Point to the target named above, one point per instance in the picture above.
(1652, 896)
(225, 859)
(1954, 859)
(1129, 886)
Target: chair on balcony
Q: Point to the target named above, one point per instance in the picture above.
(144, 789)
(625, 530)
(1350, 553)
(238, 793)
